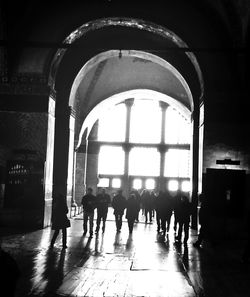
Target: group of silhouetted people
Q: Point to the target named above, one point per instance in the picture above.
(168, 204)
(101, 203)
(163, 206)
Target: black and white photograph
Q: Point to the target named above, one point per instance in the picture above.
(125, 148)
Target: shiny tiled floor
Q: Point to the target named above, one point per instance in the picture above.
(116, 264)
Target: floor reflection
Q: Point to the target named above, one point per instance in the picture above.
(143, 263)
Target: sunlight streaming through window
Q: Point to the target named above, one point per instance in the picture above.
(137, 184)
(112, 124)
(145, 128)
(186, 186)
(145, 125)
(176, 163)
(144, 161)
(116, 183)
(173, 185)
(111, 160)
(177, 128)
(150, 184)
(103, 183)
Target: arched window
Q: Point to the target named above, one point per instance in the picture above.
(144, 150)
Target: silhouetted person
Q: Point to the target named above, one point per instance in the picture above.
(246, 252)
(165, 212)
(103, 201)
(152, 201)
(138, 203)
(168, 210)
(158, 209)
(204, 220)
(131, 212)
(119, 205)
(176, 207)
(10, 274)
(146, 198)
(89, 204)
(184, 219)
(60, 220)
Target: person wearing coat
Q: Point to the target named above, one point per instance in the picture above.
(131, 212)
(119, 205)
(89, 205)
(60, 219)
(103, 201)
(184, 219)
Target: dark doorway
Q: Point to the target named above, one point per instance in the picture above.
(225, 190)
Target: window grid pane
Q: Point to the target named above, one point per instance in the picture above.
(173, 185)
(150, 184)
(103, 182)
(177, 128)
(144, 161)
(111, 160)
(185, 186)
(145, 124)
(137, 183)
(116, 183)
(112, 124)
(177, 163)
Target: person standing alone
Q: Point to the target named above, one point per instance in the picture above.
(59, 219)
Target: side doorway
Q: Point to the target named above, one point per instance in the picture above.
(226, 192)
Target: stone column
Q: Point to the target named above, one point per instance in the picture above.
(92, 153)
(48, 174)
(195, 167)
(64, 150)
(129, 103)
(161, 148)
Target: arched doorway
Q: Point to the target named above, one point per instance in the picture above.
(112, 72)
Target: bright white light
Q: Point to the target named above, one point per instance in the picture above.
(103, 183)
(137, 183)
(144, 161)
(177, 128)
(112, 124)
(173, 185)
(145, 125)
(150, 184)
(111, 160)
(176, 163)
(186, 186)
(116, 183)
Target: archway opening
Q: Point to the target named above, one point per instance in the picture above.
(101, 81)
(139, 143)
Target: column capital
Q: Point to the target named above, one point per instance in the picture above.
(129, 102)
(163, 105)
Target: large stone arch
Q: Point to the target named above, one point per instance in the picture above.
(67, 64)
